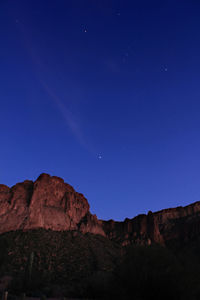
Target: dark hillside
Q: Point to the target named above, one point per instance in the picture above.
(53, 262)
(72, 264)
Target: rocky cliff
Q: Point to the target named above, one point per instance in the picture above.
(50, 203)
(179, 224)
(47, 203)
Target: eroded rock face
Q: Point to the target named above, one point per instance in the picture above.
(48, 203)
(51, 203)
(162, 227)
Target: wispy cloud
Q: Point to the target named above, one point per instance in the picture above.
(68, 116)
(70, 119)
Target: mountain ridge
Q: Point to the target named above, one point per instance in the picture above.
(50, 203)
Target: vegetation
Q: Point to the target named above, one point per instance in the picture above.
(54, 263)
(44, 262)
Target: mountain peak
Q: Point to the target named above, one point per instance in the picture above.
(50, 203)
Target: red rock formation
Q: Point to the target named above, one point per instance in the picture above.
(52, 204)
(180, 223)
(48, 203)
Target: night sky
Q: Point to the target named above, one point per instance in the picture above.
(105, 94)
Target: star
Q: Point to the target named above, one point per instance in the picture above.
(99, 156)
(84, 28)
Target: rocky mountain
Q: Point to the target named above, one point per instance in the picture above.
(179, 224)
(50, 203)
(47, 203)
(51, 244)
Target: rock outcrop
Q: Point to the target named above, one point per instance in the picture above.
(47, 203)
(50, 203)
(179, 224)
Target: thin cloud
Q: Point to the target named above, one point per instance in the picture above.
(69, 118)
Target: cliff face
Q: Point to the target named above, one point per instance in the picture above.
(50, 203)
(179, 224)
(47, 203)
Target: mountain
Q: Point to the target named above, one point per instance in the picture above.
(51, 244)
(50, 203)
(47, 203)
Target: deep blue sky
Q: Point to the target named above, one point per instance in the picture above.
(105, 94)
